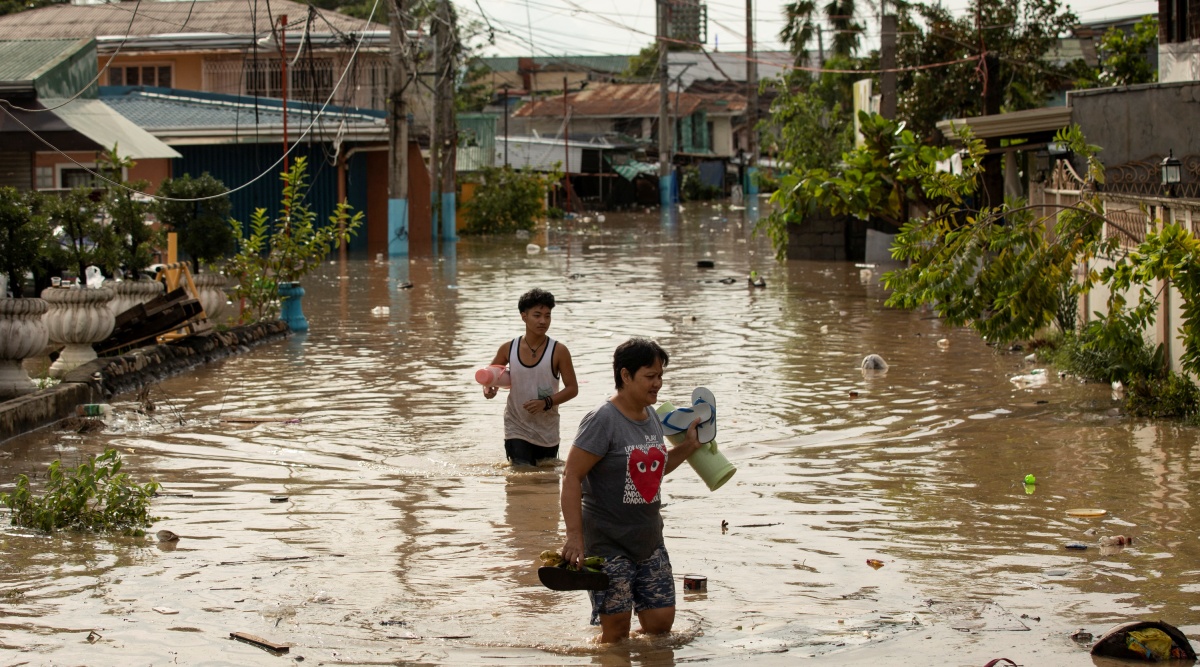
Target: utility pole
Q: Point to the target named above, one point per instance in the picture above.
(887, 63)
(666, 180)
(751, 185)
(397, 226)
(283, 80)
(566, 146)
(444, 142)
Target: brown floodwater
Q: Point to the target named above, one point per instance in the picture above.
(405, 537)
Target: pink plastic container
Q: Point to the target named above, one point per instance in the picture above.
(493, 376)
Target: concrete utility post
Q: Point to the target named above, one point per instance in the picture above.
(887, 63)
(398, 133)
(666, 179)
(444, 143)
(751, 184)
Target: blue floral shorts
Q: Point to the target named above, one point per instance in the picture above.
(637, 586)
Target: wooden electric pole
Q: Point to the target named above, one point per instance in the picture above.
(397, 226)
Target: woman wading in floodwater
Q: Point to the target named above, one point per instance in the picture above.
(610, 496)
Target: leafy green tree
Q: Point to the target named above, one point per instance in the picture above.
(82, 237)
(1002, 271)
(24, 233)
(205, 235)
(809, 125)
(882, 179)
(134, 239)
(1018, 37)
(1123, 57)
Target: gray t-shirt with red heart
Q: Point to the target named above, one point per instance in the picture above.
(621, 499)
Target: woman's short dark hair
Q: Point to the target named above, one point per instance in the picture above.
(636, 353)
(535, 297)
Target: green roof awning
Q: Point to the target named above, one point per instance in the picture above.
(632, 169)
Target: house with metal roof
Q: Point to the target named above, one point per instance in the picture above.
(228, 46)
(703, 122)
(51, 123)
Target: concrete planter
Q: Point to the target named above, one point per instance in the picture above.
(130, 293)
(77, 318)
(211, 288)
(22, 335)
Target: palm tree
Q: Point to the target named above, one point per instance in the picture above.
(800, 24)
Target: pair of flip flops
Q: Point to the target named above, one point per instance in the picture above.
(704, 407)
(559, 578)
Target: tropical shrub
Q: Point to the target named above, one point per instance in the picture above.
(283, 249)
(507, 200)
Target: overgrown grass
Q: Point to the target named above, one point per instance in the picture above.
(95, 496)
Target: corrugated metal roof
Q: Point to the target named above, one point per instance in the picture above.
(157, 109)
(613, 100)
(65, 20)
(26, 60)
(100, 123)
(609, 64)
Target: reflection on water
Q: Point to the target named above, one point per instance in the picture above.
(406, 538)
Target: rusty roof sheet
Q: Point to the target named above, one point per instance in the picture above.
(612, 100)
(65, 20)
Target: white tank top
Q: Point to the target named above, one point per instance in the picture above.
(528, 383)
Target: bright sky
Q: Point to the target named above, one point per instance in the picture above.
(591, 27)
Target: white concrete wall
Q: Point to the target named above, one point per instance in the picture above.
(1179, 62)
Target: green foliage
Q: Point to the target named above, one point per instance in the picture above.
(997, 270)
(286, 248)
(507, 199)
(892, 170)
(134, 239)
(800, 24)
(1021, 35)
(1124, 57)
(1109, 350)
(202, 224)
(809, 126)
(1170, 254)
(95, 497)
(24, 234)
(1172, 396)
(692, 189)
(84, 238)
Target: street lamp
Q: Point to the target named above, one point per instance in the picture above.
(1172, 170)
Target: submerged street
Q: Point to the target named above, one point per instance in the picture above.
(406, 538)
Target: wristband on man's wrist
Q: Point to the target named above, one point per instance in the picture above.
(549, 403)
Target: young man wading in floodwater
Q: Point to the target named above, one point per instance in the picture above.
(536, 363)
(610, 496)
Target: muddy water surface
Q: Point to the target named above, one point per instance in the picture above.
(406, 538)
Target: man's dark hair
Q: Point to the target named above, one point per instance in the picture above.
(535, 297)
(636, 353)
